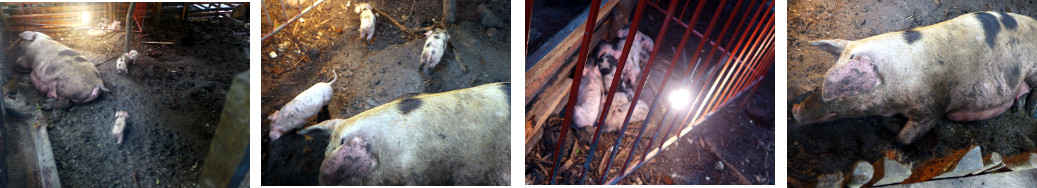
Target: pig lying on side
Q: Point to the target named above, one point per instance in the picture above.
(458, 137)
(434, 48)
(968, 68)
(59, 71)
(367, 21)
(294, 114)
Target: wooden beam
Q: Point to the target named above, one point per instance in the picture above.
(542, 73)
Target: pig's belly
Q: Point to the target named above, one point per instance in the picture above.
(994, 107)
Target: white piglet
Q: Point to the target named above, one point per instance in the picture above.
(367, 21)
(294, 114)
(126, 58)
(434, 48)
(120, 125)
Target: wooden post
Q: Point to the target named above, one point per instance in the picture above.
(448, 11)
(129, 23)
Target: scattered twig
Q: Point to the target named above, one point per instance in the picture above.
(146, 42)
(457, 57)
(728, 166)
(411, 31)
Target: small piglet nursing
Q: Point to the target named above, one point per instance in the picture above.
(126, 58)
(294, 114)
(434, 48)
(458, 137)
(59, 71)
(367, 21)
(968, 68)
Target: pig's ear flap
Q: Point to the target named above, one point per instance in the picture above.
(834, 46)
(856, 76)
(326, 126)
(28, 35)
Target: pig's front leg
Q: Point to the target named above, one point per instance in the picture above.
(916, 126)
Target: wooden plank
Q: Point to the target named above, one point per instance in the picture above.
(48, 172)
(540, 74)
(544, 110)
(1024, 178)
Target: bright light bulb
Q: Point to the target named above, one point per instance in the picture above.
(86, 18)
(679, 98)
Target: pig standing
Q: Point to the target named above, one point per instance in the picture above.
(129, 57)
(435, 45)
(588, 105)
(294, 114)
(367, 21)
(968, 68)
(59, 71)
(457, 137)
(120, 125)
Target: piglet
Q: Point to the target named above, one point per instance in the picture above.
(303, 106)
(120, 125)
(367, 21)
(126, 58)
(434, 48)
(588, 105)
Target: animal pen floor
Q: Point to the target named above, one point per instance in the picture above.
(368, 76)
(174, 96)
(832, 147)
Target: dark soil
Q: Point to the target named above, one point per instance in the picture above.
(174, 96)
(814, 150)
(369, 76)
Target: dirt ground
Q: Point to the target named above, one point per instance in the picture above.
(831, 147)
(687, 162)
(174, 96)
(369, 75)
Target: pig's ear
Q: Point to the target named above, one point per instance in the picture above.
(834, 46)
(28, 35)
(856, 76)
(326, 126)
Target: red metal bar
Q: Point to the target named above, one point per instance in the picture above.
(631, 35)
(740, 73)
(641, 83)
(575, 88)
(738, 45)
(682, 24)
(714, 91)
(529, 12)
(757, 59)
(720, 98)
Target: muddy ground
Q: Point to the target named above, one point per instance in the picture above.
(369, 75)
(174, 97)
(687, 162)
(831, 147)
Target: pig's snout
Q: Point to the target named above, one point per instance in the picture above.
(795, 113)
(348, 164)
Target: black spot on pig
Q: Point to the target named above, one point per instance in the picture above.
(506, 87)
(437, 36)
(409, 104)
(50, 70)
(911, 36)
(81, 58)
(941, 62)
(1013, 75)
(68, 52)
(990, 27)
(442, 136)
(427, 44)
(1008, 21)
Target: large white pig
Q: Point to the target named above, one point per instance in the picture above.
(459, 137)
(59, 71)
(968, 68)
